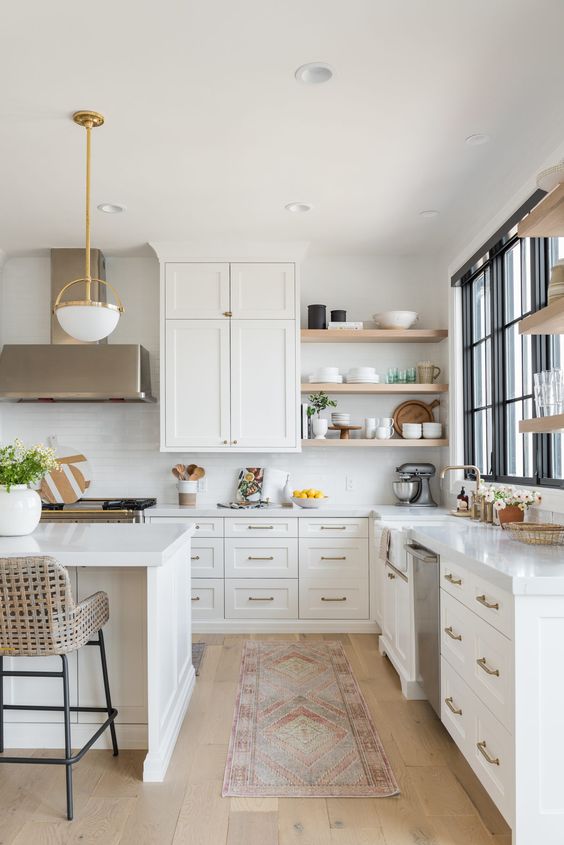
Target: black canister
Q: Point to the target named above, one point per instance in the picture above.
(338, 316)
(317, 316)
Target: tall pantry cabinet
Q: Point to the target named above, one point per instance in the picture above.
(229, 368)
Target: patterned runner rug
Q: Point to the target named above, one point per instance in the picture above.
(198, 651)
(301, 727)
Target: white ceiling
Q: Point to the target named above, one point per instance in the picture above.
(208, 134)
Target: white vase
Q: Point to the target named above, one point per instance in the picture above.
(319, 428)
(20, 510)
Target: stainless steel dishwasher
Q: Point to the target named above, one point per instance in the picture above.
(427, 622)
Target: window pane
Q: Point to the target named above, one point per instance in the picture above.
(519, 368)
(513, 444)
(557, 451)
(527, 286)
(481, 305)
(480, 441)
(512, 283)
(482, 374)
(528, 465)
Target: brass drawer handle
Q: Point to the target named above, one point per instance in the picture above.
(197, 527)
(391, 576)
(261, 598)
(328, 598)
(333, 527)
(343, 557)
(250, 557)
(195, 557)
(482, 663)
(452, 580)
(227, 313)
(450, 704)
(258, 527)
(452, 635)
(195, 598)
(492, 605)
(483, 749)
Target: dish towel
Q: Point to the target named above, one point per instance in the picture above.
(382, 542)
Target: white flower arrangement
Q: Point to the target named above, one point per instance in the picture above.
(504, 496)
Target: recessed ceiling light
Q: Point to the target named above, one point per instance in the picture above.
(298, 207)
(477, 139)
(111, 208)
(314, 73)
(429, 213)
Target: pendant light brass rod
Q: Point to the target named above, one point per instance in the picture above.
(88, 126)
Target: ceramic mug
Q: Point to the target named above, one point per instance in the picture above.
(385, 422)
(427, 372)
(384, 432)
(370, 425)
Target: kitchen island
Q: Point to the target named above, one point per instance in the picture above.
(145, 570)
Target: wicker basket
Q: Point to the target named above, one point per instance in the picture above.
(536, 534)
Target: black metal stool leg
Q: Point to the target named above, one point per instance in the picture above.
(68, 749)
(1, 703)
(107, 690)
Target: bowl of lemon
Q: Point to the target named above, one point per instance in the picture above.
(309, 498)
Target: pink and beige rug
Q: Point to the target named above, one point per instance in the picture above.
(301, 727)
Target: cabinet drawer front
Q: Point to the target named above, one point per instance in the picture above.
(454, 579)
(273, 599)
(256, 558)
(206, 558)
(334, 557)
(331, 600)
(492, 604)
(491, 756)
(456, 706)
(207, 598)
(456, 635)
(196, 290)
(261, 527)
(212, 527)
(332, 527)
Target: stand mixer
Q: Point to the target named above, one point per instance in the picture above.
(412, 489)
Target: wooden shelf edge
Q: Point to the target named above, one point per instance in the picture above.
(373, 335)
(549, 320)
(542, 425)
(382, 389)
(363, 443)
(546, 219)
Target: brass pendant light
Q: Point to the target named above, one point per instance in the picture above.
(86, 319)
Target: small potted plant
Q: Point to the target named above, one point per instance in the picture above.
(510, 503)
(20, 466)
(319, 402)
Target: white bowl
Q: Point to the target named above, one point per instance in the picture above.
(309, 503)
(411, 435)
(396, 319)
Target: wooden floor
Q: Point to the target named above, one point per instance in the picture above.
(441, 802)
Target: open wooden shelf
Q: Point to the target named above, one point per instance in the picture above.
(549, 320)
(359, 443)
(397, 389)
(546, 220)
(373, 335)
(542, 425)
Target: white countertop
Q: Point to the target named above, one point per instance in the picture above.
(86, 544)
(491, 553)
(328, 510)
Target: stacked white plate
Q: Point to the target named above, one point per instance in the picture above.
(340, 419)
(362, 375)
(328, 375)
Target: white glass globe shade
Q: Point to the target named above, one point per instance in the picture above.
(88, 322)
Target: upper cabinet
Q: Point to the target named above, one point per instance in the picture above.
(196, 291)
(229, 368)
(263, 291)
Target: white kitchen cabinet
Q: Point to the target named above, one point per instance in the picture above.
(197, 384)
(397, 640)
(263, 384)
(263, 291)
(196, 291)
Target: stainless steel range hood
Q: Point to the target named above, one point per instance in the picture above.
(68, 370)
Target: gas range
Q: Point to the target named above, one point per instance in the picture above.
(97, 510)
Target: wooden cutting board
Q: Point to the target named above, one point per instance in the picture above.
(67, 485)
(413, 411)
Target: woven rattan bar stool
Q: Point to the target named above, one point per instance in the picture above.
(39, 618)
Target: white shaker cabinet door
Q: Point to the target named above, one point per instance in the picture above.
(263, 384)
(197, 384)
(263, 291)
(196, 291)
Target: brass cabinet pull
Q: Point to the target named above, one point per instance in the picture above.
(258, 527)
(234, 442)
(225, 442)
(482, 663)
(492, 605)
(452, 580)
(195, 598)
(483, 749)
(452, 635)
(197, 527)
(450, 704)
(261, 598)
(227, 313)
(195, 557)
(328, 598)
(333, 527)
(391, 576)
(343, 557)
(250, 557)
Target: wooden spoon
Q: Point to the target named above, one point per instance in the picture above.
(179, 471)
(189, 470)
(198, 473)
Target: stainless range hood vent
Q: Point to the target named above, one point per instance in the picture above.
(68, 370)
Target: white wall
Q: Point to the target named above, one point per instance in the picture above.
(122, 441)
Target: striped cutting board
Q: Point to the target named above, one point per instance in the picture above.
(67, 485)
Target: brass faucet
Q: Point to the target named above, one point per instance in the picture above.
(475, 511)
